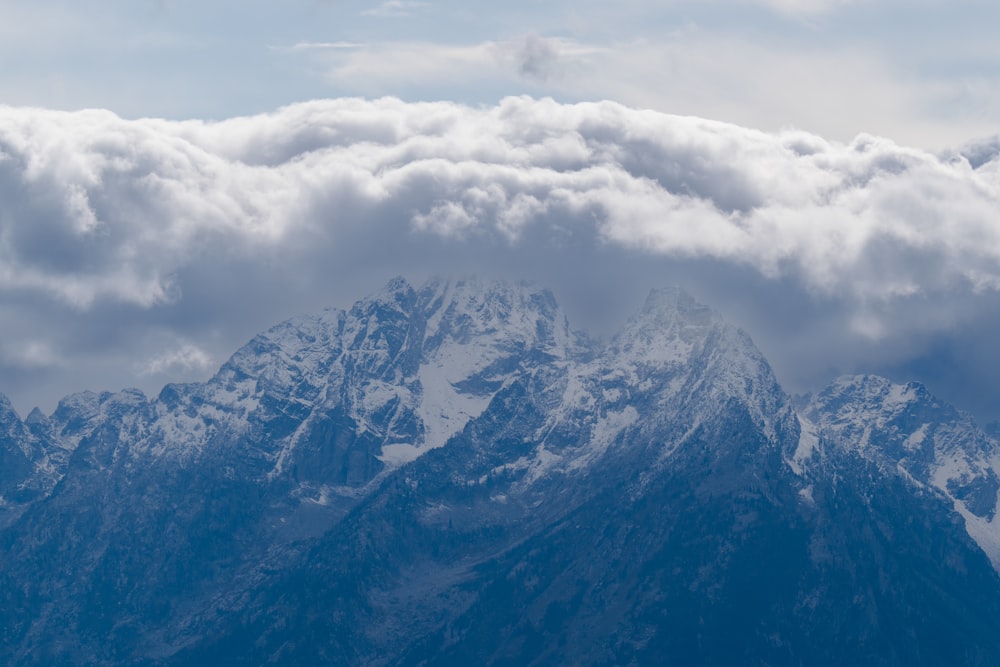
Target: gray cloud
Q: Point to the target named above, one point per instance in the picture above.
(537, 57)
(134, 250)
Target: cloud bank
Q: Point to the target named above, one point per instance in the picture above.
(96, 207)
(178, 228)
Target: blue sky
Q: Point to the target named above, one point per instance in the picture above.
(923, 72)
(176, 176)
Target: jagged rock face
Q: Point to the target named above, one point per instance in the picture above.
(906, 431)
(30, 461)
(15, 452)
(449, 475)
(273, 449)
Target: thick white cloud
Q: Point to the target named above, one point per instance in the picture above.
(97, 207)
(191, 225)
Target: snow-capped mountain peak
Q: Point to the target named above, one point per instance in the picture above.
(667, 329)
(904, 429)
(448, 474)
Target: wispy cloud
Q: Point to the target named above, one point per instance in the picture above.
(321, 46)
(837, 93)
(804, 7)
(31, 355)
(185, 358)
(396, 9)
(533, 60)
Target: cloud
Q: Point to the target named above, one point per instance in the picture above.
(321, 46)
(529, 62)
(803, 7)
(837, 91)
(31, 355)
(537, 57)
(205, 232)
(97, 207)
(187, 357)
(396, 9)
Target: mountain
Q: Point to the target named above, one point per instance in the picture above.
(450, 474)
(905, 431)
(31, 460)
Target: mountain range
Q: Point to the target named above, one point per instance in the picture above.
(450, 474)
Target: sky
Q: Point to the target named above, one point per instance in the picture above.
(177, 176)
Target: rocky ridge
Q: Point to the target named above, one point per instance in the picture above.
(449, 474)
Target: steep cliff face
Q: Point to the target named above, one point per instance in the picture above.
(449, 475)
(903, 430)
(16, 455)
(32, 459)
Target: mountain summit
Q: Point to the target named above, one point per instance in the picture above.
(449, 474)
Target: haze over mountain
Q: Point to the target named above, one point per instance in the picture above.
(450, 474)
